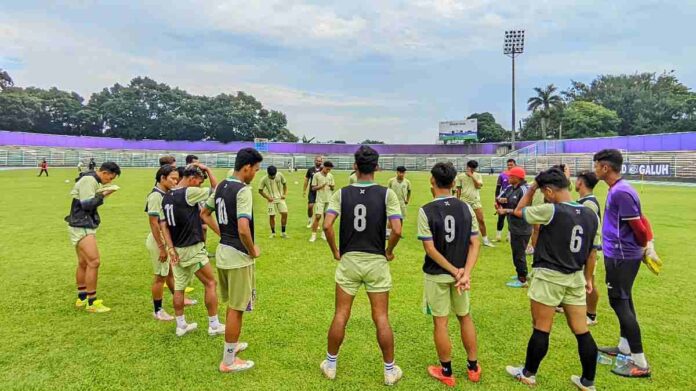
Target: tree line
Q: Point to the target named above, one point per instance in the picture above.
(143, 109)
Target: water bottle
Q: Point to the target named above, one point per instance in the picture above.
(622, 359)
(603, 359)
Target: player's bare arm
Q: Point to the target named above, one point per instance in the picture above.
(208, 219)
(526, 200)
(245, 236)
(157, 235)
(329, 220)
(393, 238)
(171, 251)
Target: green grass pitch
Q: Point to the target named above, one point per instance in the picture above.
(48, 344)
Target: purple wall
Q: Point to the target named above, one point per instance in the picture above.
(652, 142)
(52, 140)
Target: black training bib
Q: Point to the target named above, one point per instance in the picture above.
(363, 219)
(450, 222)
(184, 222)
(226, 214)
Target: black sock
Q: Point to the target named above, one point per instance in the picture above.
(587, 349)
(91, 296)
(157, 304)
(536, 350)
(472, 364)
(81, 293)
(273, 230)
(446, 368)
(592, 316)
(283, 228)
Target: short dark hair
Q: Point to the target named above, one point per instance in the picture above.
(181, 170)
(610, 157)
(167, 159)
(553, 177)
(561, 166)
(328, 164)
(401, 169)
(164, 171)
(589, 178)
(444, 174)
(191, 158)
(367, 159)
(193, 170)
(272, 170)
(512, 161)
(111, 167)
(472, 164)
(245, 157)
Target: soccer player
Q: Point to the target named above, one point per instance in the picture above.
(564, 261)
(236, 253)
(312, 195)
(502, 184)
(44, 167)
(364, 208)
(168, 160)
(92, 164)
(402, 187)
(323, 186)
(448, 229)
(190, 159)
(520, 230)
(469, 184)
(274, 188)
(80, 166)
(584, 185)
(87, 195)
(624, 238)
(182, 229)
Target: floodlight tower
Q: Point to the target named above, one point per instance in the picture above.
(514, 46)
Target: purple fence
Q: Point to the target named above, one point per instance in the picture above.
(84, 142)
(651, 142)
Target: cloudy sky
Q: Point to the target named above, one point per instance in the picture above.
(346, 70)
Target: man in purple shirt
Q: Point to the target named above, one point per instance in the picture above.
(503, 182)
(624, 239)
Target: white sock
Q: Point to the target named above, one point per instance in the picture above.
(639, 359)
(498, 234)
(213, 321)
(228, 355)
(485, 238)
(331, 360)
(624, 348)
(181, 321)
(388, 366)
(314, 235)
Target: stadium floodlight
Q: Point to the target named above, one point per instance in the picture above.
(514, 46)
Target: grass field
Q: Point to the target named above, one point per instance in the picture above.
(47, 344)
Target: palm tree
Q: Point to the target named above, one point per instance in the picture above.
(545, 102)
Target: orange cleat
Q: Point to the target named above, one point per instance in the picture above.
(474, 376)
(436, 372)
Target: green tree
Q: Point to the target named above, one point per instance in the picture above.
(545, 103)
(5, 80)
(531, 126)
(488, 129)
(586, 119)
(368, 141)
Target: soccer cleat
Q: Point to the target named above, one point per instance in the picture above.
(474, 376)
(392, 377)
(162, 315)
(591, 322)
(630, 369)
(284, 235)
(518, 373)
(97, 307)
(514, 277)
(216, 331)
(576, 380)
(180, 332)
(516, 284)
(329, 373)
(313, 238)
(80, 303)
(487, 243)
(610, 350)
(272, 236)
(436, 372)
(239, 365)
(309, 223)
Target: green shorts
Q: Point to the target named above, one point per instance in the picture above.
(358, 268)
(238, 287)
(403, 210)
(440, 295)
(320, 207)
(475, 204)
(158, 268)
(77, 234)
(276, 207)
(553, 288)
(191, 260)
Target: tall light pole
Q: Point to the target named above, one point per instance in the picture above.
(514, 46)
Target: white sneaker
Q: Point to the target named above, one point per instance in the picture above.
(518, 373)
(393, 376)
(313, 238)
(323, 236)
(487, 243)
(284, 235)
(271, 236)
(498, 237)
(217, 331)
(162, 315)
(241, 346)
(591, 322)
(239, 365)
(189, 328)
(576, 380)
(329, 373)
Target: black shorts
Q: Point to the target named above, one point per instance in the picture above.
(620, 275)
(312, 197)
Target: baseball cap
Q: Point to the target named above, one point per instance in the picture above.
(517, 172)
